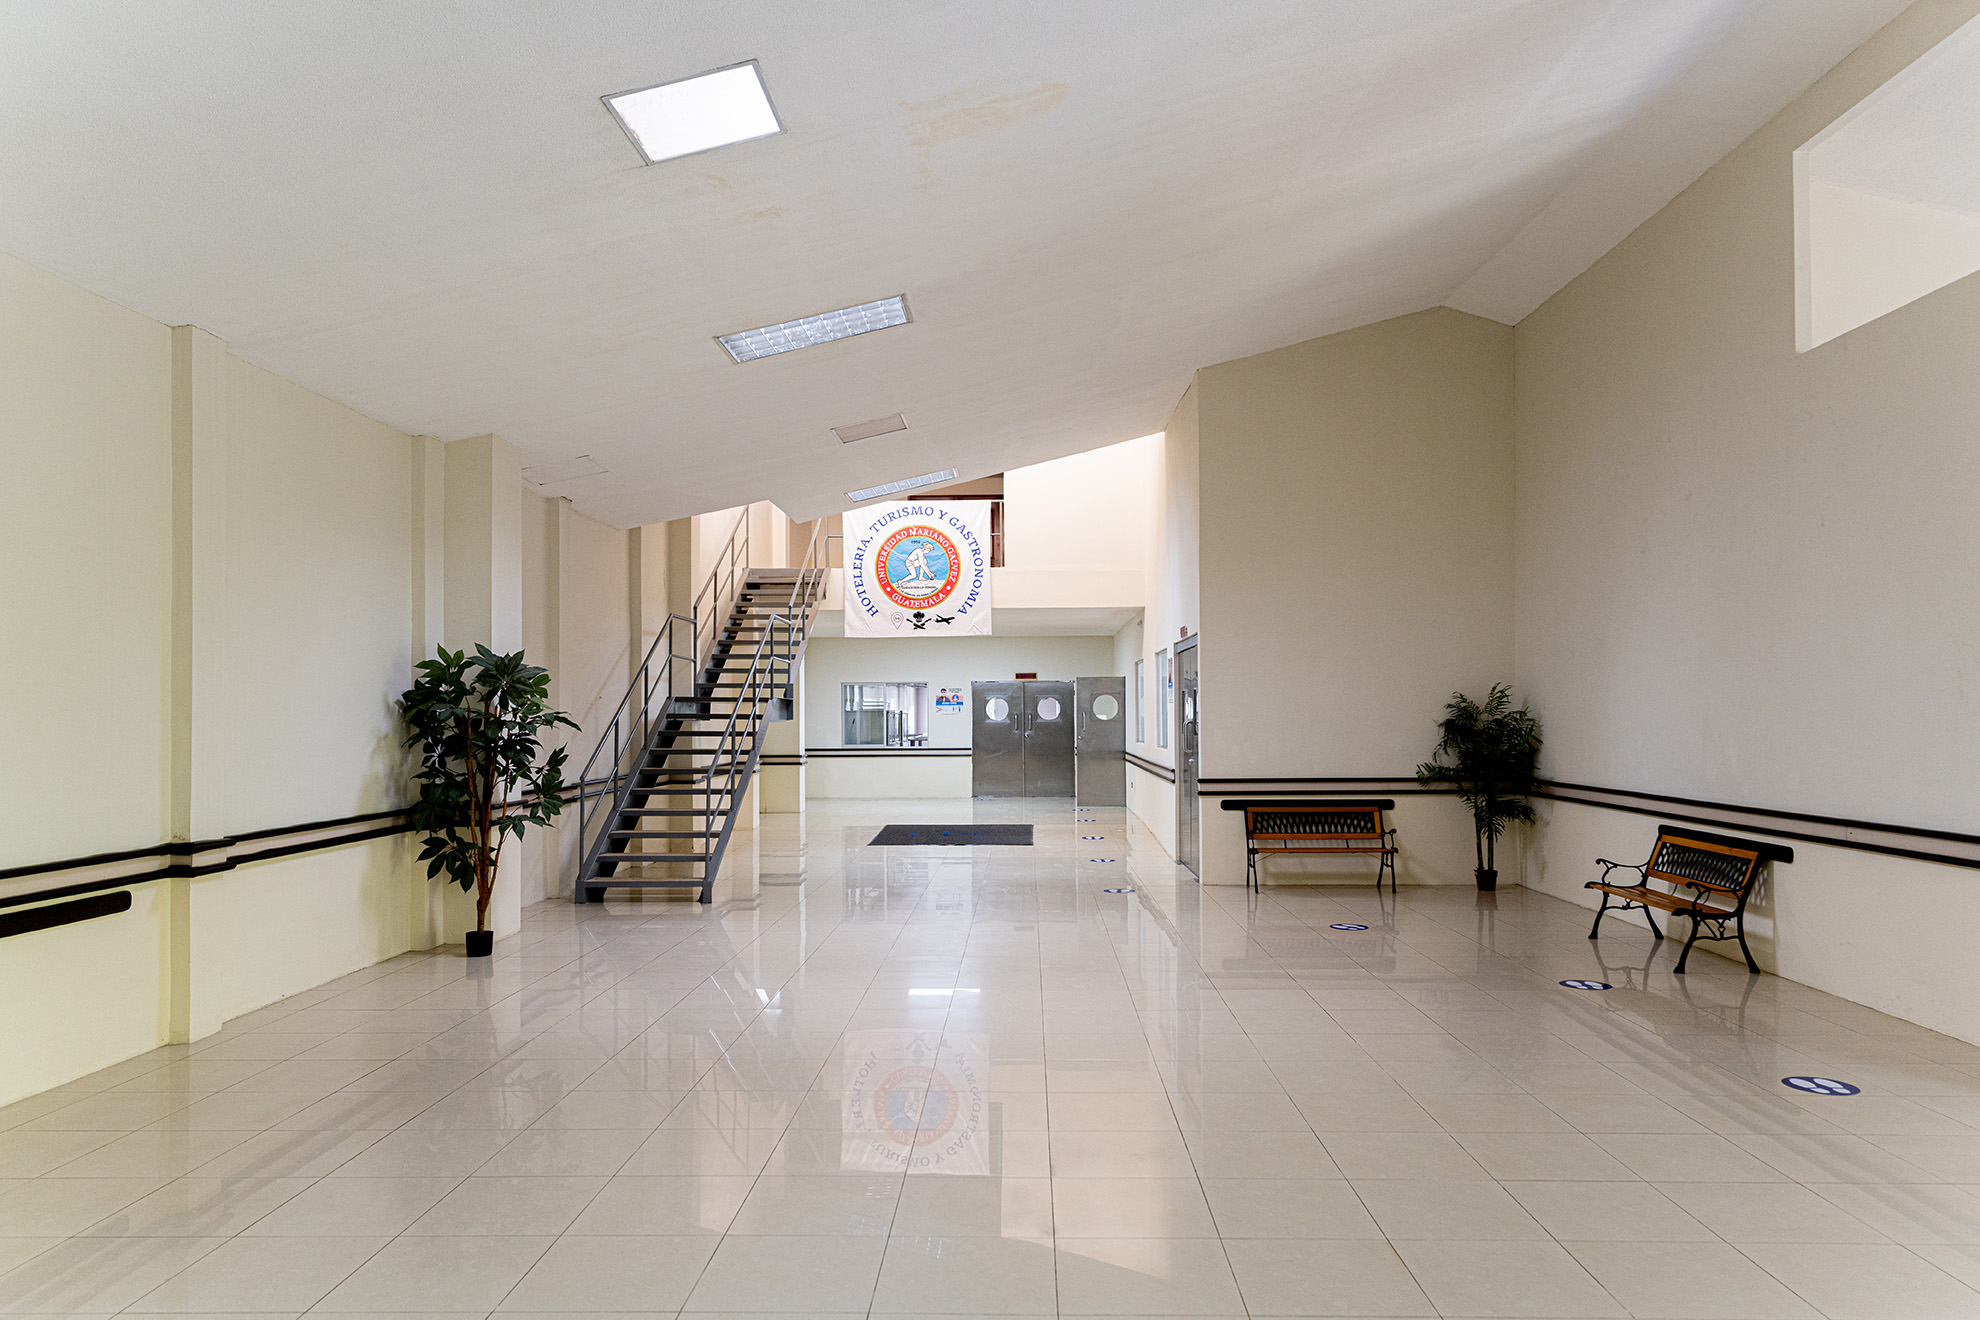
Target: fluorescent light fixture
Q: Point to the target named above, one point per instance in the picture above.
(769, 340)
(896, 487)
(692, 115)
(867, 430)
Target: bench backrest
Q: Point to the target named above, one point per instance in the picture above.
(1713, 864)
(1313, 823)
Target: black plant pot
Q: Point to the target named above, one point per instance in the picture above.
(481, 943)
(1487, 880)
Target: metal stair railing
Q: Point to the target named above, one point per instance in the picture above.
(635, 728)
(628, 736)
(759, 688)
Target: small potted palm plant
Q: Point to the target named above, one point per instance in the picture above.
(478, 722)
(1487, 751)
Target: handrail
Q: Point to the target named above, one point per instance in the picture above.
(628, 733)
(796, 624)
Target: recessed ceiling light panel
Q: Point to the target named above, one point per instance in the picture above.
(768, 340)
(867, 430)
(896, 487)
(697, 114)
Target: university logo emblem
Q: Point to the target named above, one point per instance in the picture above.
(917, 566)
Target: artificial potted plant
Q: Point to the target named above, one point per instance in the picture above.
(478, 722)
(1487, 751)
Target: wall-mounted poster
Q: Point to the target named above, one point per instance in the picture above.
(949, 701)
(918, 569)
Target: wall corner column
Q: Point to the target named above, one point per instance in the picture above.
(199, 655)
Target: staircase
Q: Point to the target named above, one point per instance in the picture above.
(661, 790)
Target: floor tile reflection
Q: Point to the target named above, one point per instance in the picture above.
(954, 1081)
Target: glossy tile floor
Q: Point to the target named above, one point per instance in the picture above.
(946, 1081)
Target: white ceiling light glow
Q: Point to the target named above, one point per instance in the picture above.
(697, 114)
(769, 340)
(896, 487)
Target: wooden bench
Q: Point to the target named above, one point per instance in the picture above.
(1324, 827)
(1718, 872)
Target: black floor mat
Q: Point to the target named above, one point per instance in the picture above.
(911, 836)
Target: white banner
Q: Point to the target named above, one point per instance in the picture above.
(918, 570)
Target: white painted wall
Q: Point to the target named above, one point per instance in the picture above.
(1091, 511)
(1868, 254)
(1170, 555)
(1752, 576)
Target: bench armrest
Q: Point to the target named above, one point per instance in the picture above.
(1608, 866)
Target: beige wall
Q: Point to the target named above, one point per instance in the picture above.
(1752, 576)
(1356, 544)
(206, 579)
(319, 606)
(594, 600)
(1349, 566)
(85, 424)
(215, 585)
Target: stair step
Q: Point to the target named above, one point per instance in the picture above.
(662, 834)
(669, 811)
(646, 857)
(675, 790)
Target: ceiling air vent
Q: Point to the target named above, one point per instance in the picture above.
(544, 475)
(867, 430)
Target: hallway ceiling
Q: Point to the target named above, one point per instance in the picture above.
(424, 212)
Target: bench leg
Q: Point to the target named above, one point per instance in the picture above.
(1388, 863)
(1596, 929)
(1751, 966)
(1251, 868)
(1696, 926)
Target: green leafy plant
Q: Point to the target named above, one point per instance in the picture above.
(478, 722)
(1488, 752)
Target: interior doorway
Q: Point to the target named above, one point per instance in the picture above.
(1021, 739)
(1189, 806)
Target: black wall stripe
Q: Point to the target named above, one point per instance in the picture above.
(64, 914)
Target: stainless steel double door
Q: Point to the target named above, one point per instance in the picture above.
(1021, 739)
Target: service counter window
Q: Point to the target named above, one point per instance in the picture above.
(884, 714)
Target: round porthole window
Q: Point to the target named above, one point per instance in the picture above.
(1105, 707)
(996, 710)
(1048, 708)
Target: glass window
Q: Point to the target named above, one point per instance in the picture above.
(1164, 696)
(1140, 704)
(883, 714)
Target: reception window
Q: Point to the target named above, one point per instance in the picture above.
(884, 714)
